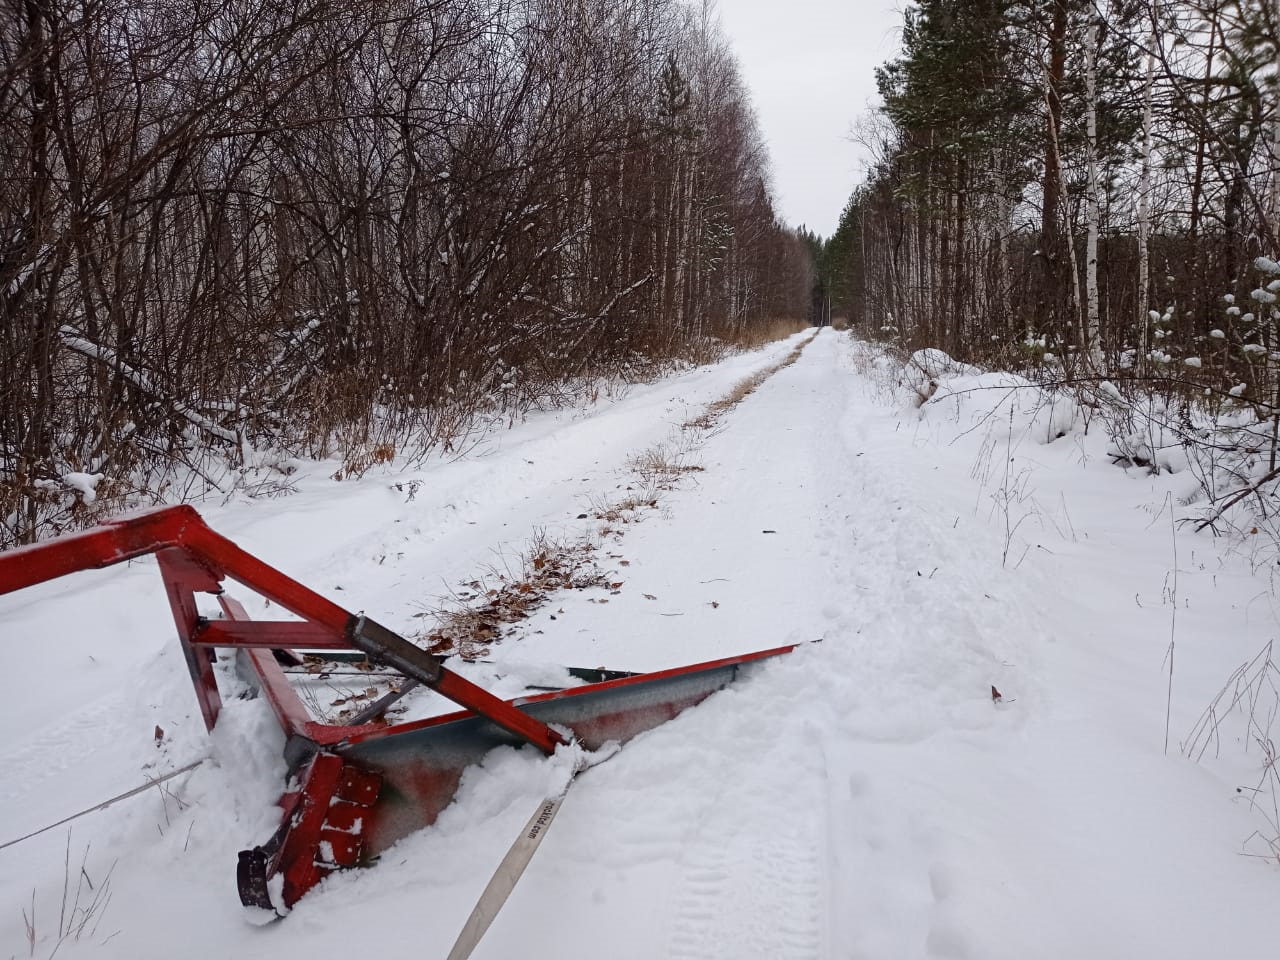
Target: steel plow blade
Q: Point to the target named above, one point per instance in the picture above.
(354, 789)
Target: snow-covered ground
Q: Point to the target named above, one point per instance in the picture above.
(862, 797)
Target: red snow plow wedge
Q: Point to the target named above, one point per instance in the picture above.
(355, 789)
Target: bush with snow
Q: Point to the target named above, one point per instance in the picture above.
(926, 368)
(84, 484)
(972, 395)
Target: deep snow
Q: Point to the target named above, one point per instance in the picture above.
(862, 797)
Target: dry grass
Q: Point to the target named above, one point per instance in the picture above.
(663, 464)
(475, 617)
(741, 390)
(627, 509)
(361, 460)
(775, 330)
(1248, 706)
(80, 912)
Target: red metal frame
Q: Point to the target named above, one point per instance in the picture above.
(358, 789)
(193, 559)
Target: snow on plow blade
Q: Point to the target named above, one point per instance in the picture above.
(353, 790)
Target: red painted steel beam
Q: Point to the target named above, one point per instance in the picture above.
(243, 567)
(298, 854)
(288, 707)
(267, 634)
(110, 543)
(181, 579)
(194, 559)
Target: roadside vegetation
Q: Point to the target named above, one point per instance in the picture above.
(239, 234)
(1088, 196)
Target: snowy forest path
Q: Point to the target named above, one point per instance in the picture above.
(862, 797)
(865, 796)
(778, 824)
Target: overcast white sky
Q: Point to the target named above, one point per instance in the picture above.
(810, 66)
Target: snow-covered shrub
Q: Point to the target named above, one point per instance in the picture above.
(944, 386)
(926, 368)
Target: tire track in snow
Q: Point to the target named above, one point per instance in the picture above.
(79, 741)
(752, 883)
(923, 620)
(788, 860)
(82, 758)
(58, 748)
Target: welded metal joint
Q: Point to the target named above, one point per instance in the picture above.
(389, 648)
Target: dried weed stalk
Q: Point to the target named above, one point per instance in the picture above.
(81, 909)
(468, 625)
(1252, 695)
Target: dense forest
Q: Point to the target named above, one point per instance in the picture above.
(1094, 181)
(233, 232)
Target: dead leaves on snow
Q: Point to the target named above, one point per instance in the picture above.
(477, 620)
(480, 612)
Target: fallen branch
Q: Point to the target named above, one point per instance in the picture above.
(1236, 498)
(142, 380)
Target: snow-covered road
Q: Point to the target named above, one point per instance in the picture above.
(862, 797)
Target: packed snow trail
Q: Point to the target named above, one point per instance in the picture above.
(393, 543)
(863, 797)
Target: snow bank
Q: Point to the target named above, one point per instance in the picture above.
(935, 364)
(926, 368)
(1006, 404)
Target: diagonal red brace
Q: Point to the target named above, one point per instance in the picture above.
(193, 558)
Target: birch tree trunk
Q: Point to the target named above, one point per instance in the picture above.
(1092, 346)
(1049, 314)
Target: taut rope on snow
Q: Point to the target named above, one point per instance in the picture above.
(106, 803)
